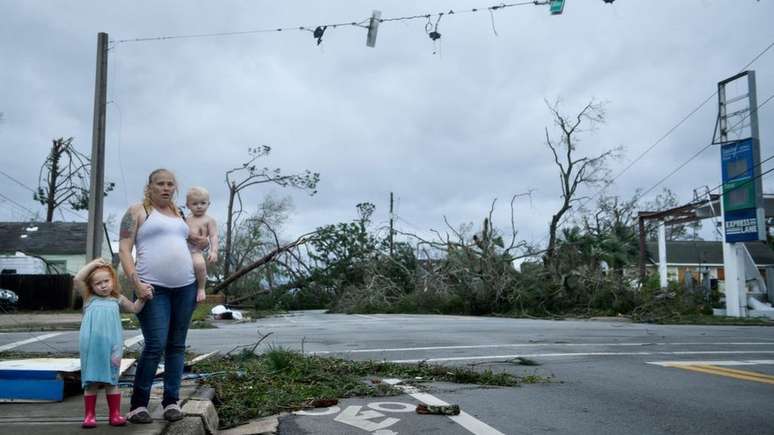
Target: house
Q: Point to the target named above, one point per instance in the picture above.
(688, 260)
(62, 245)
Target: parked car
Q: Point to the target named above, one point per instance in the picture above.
(8, 301)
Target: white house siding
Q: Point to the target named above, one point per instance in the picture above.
(74, 263)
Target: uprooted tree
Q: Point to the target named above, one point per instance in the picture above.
(574, 171)
(64, 178)
(247, 175)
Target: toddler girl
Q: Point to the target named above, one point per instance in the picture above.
(101, 337)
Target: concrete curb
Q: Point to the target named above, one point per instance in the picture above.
(201, 418)
(199, 406)
(261, 426)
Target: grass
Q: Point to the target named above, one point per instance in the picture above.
(250, 386)
(201, 317)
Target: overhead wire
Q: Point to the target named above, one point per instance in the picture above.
(332, 25)
(664, 136)
(670, 174)
(682, 165)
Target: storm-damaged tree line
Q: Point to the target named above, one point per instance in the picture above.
(587, 267)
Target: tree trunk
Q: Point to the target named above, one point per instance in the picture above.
(229, 224)
(56, 152)
(261, 261)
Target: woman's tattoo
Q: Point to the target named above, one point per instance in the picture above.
(127, 226)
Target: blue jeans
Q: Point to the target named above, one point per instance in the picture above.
(164, 321)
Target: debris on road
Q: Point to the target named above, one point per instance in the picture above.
(323, 403)
(423, 408)
(199, 358)
(43, 379)
(220, 312)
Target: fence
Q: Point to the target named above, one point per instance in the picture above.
(40, 292)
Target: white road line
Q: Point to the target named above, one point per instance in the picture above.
(749, 362)
(556, 355)
(129, 342)
(28, 341)
(472, 424)
(363, 316)
(483, 346)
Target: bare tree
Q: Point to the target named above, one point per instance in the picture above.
(574, 171)
(64, 178)
(247, 175)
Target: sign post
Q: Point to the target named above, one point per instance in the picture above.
(742, 197)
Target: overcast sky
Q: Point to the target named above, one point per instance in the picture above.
(447, 126)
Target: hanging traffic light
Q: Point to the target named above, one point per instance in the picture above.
(556, 7)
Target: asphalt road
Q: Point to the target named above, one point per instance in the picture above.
(606, 376)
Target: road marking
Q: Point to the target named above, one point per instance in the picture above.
(315, 413)
(8, 346)
(129, 342)
(570, 354)
(363, 316)
(749, 362)
(484, 346)
(352, 416)
(730, 373)
(386, 407)
(472, 424)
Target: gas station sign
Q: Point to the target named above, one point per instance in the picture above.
(742, 212)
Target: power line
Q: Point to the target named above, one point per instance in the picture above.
(17, 204)
(700, 151)
(17, 182)
(669, 132)
(315, 28)
(681, 122)
(674, 171)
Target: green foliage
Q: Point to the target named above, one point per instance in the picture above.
(341, 253)
(673, 304)
(249, 386)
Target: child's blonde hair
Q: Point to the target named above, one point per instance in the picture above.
(114, 292)
(197, 192)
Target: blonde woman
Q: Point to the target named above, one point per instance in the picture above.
(163, 275)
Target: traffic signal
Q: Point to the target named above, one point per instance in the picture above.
(556, 7)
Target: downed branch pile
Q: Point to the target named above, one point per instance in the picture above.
(283, 380)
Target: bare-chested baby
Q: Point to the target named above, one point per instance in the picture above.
(200, 223)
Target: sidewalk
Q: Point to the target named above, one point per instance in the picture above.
(64, 418)
(45, 321)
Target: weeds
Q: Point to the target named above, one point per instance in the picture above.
(284, 380)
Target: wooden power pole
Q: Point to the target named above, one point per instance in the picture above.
(96, 190)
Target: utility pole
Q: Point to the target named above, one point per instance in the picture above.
(96, 189)
(391, 230)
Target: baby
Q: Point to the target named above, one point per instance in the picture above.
(199, 223)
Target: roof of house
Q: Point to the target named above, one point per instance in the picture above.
(43, 238)
(705, 252)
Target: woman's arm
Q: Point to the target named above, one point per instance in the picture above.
(128, 232)
(129, 306)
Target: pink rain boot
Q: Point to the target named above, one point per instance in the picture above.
(90, 418)
(114, 407)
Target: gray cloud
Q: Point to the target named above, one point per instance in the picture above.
(447, 133)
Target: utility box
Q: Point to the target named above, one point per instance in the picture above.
(22, 265)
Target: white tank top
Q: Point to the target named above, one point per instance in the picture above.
(163, 257)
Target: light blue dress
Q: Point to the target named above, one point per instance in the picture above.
(101, 341)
